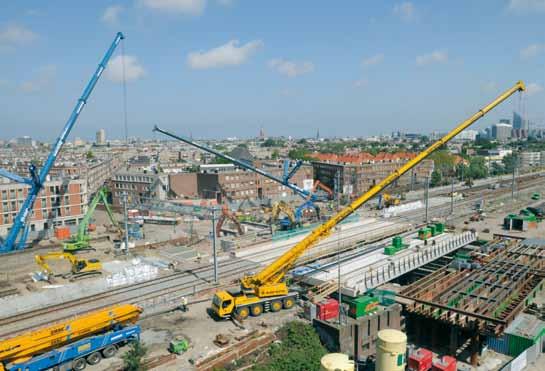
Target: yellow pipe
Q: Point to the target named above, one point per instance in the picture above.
(274, 272)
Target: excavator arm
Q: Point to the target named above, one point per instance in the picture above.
(274, 273)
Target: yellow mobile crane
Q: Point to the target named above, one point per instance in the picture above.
(267, 290)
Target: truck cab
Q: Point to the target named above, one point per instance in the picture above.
(223, 304)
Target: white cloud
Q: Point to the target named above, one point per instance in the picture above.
(43, 79)
(531, 51)
(405, 10)
(527, 5)
(533, 88)
(189, 7)
(111, 14)
(291, 68)
(229, 54)
(375, 59)
(15, 35)
(437, 56)
(133, 69)
(361, 83)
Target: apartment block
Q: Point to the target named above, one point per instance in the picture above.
(235, 184)
(61, 202)
(138, 186)
(357, 173)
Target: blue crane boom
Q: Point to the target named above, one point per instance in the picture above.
(284, 180)
(36, 180)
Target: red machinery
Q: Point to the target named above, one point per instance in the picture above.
(447, 363)
(420, 360)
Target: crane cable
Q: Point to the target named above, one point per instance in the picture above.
(125, 119)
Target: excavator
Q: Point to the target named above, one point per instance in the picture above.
(80, 267)
(227, 215)
(82, 239)
(293, 219)
(386, 200)
(268, 290)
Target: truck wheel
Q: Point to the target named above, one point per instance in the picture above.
(109, 351)
(276, 305)
(94, 358)
(243, 312)
(79, 364)
(257, 309)
(288, 303)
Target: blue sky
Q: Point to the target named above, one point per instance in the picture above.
(220, 68)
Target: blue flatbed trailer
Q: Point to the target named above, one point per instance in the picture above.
(76, 356)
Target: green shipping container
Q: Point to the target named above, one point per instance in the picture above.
(362, 305)
(440, 228)
(518, 344)
(424, 234)
(432, 229)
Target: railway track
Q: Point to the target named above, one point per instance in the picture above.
(198, 279)
(127, 294)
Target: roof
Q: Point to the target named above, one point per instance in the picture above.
(242, 153)
(364, 157)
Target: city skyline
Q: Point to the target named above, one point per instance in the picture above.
(227, 68)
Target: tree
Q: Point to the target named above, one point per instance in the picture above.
(300, 349)
(477, 168)
(90, 155)
(132, 360)
(436, 179)
(275, 154)
(509, 162)
(299, 154)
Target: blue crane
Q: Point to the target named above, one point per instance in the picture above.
(37, 179)
(285, 180)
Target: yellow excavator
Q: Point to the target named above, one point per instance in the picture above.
(80, 267)
(267, 290)
(387, 200)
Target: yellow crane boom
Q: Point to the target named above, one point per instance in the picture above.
(23, 347)
(268, 289)
(274, 272)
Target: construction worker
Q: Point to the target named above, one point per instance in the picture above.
(183, 305)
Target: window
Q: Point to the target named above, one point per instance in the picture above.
(400, 359)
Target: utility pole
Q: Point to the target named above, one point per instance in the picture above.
(339, 287)
(452, 197)
(214, 252)
(426, 195)
(126, 221)
(515, 164)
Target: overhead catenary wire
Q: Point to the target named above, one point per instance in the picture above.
(124, 83)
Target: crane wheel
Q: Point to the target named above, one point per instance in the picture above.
(109, 351)
(94, 358)
(243, 313)
(288, 303)
(257, 309)
(79, 364)
(276, 306)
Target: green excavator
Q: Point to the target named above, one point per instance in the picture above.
(81, 241)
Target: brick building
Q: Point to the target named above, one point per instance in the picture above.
(357, 173)
(237, 184)
(138, 186)
(61, 202)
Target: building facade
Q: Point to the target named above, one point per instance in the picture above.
(237, 184)
(357, 174)
(61, 202)
(139, 187)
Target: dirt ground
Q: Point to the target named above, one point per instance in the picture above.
(200, 330)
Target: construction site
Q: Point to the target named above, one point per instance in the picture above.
(394, 275)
